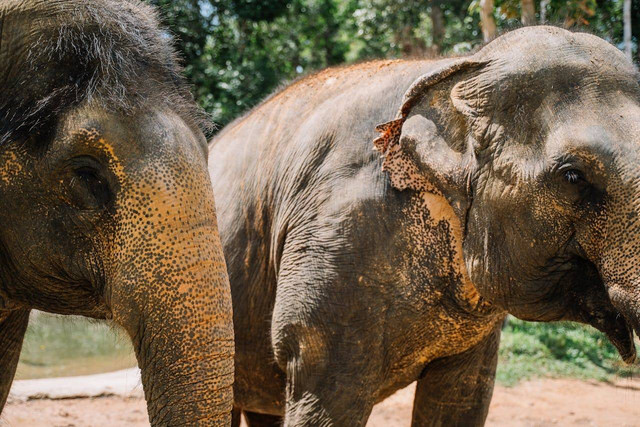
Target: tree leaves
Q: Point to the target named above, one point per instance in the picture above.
(236, 52)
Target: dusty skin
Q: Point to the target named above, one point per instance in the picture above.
(535, 403)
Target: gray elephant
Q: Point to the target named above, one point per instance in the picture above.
(502, 182)
(107, 209)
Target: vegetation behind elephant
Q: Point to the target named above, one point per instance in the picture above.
(507, 182)
(106, 205)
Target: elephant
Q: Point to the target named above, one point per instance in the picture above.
(380, 220)
(107, 208)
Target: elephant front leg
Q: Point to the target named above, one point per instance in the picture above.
(457, 390)
(13, 325)
(332, 361)
(337, 394)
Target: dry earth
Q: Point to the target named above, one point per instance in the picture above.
(546, 402)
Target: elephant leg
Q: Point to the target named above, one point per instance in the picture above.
(457, 390)
(255, 419)
(332, 360)
(13, 325)
(327, 397)
(236, 417)
(326, 335)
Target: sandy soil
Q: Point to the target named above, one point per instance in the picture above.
(536, 403)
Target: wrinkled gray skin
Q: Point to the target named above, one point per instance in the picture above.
(510, 184)
(105, 201)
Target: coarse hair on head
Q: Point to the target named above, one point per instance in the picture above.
(109, 53)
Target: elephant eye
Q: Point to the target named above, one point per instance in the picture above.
(88, 187)
(581, 189)
(96, 186)
(574, 176)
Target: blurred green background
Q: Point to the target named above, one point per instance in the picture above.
(236, 52)
(59, 346)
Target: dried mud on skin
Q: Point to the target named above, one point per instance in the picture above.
(546, 402)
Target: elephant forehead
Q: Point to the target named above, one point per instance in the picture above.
(146, 138)
(525, 65)
(542, 47)
(524, 91)
(598, 132)
(519, 84)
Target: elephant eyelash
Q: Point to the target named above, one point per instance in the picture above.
(574, 176)
(588, 194)
(566, 168)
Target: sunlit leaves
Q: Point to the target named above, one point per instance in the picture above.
(238, 51)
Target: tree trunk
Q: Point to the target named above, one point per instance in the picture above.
(528, 8)
(543, 11)
(437, 22)
(486, 20)
(627, 28)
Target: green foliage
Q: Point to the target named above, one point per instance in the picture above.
(530, 350)
(236, 52)
(67, 345)
(254, 10)
(235, 55)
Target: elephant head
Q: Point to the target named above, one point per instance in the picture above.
(106, 204)
(535, 143)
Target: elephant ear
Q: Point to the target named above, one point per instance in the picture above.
(431, 145)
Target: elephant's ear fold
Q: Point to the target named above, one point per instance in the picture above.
(398, 162)
(426, 147)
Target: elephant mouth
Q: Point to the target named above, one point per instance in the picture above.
(593, 305)
(620, 334)
(580, 295)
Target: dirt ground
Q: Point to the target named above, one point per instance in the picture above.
(536, 403)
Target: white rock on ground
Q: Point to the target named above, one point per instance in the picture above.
(125, 383)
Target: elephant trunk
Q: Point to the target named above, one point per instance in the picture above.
(619, 263)
(624, 293)
(171, 293)
(182, 334)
